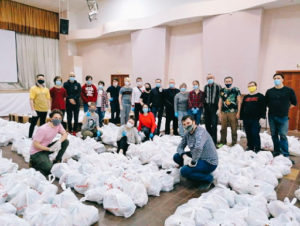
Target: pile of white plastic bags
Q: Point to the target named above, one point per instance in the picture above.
(119, 183)
(244, 193)
(28, 194)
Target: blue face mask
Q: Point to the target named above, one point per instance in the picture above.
(210, 81)
(58, 83)
(100, 87)
(196, 87)
(277, 82)
(182, 89)
(56, 122)
(157, 85)
(171, 85)
(145, 110)
(89, 82)
(72, 79)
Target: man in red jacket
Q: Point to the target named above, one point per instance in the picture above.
(88, 92)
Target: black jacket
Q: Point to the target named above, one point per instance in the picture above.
(169, 95)
(156, 98)
(73, 91)
(253, 107)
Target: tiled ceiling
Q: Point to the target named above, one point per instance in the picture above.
(56, 5)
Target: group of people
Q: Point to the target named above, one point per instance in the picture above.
(142, 104)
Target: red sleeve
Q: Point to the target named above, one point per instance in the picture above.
(83, 94)
(153, 127)
(52, 92)
(189, 101)
(140, 123)
(95, 93)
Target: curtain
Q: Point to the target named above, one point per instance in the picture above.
(28, 20)
(37, 55)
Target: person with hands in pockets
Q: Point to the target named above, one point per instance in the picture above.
(202, 159)
(127, 134)
(42, 145)
(196, 102)
(90, 123)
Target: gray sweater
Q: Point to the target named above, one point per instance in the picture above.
(181, 101)
(201, 145)
(131, 133)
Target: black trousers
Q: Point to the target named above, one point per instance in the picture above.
(147, 132)
(137, 111)
(252, 129)
(40, 115)
(157, 111)
(211, 121)
(115, 112)
(72, 110)
(170, 116)
(122, 144)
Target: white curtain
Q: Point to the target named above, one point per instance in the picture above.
(37, 55)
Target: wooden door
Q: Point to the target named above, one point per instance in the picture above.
(292, 80)
(120, 77)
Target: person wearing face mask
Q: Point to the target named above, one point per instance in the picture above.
(169, 96)
(279, 100)
(40, 103)
(156, 103)
(229, 110)
(196, 102)
(43, 144)
(137, 91)
(127, 134)
(212, 93)
(252, 110)
(181, 106)
(145, 97)
(125, 101)
(147, 123)
(102, 102)
(90, 123)
(202, 159)
(73, 89)
(88, 92)
(58, 95)
(113, 96)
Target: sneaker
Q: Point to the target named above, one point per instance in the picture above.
(205, 186)
(74, 133)
(219, 145)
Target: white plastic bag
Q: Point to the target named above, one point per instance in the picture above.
(118, 203)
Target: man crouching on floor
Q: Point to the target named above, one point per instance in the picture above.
(202, 159)
(42, 145)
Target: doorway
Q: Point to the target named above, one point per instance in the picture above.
(292, 80)
(120, 77)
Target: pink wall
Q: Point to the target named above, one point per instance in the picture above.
(149, 53)
(280, 43)
(231, 45)
(101, 58)
(185, 53)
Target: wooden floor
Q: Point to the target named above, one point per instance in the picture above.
(159, 208)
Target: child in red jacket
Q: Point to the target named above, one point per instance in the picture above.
(88, 92)
(147, 123)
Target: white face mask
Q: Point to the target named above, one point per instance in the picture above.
(126, 83)
(139, 83)
(129, 125)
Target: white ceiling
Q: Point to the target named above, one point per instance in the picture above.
(56, 5)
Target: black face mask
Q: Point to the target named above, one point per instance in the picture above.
(40, 81)
(148, 89)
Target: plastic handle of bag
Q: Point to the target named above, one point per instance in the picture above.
(63, 186)
(51, 178)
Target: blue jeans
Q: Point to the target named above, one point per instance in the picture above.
(181, 114)
(85, 107)
(252, 129)
(279, 127)
(101, 116)
(197, 116)
(200, 173)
